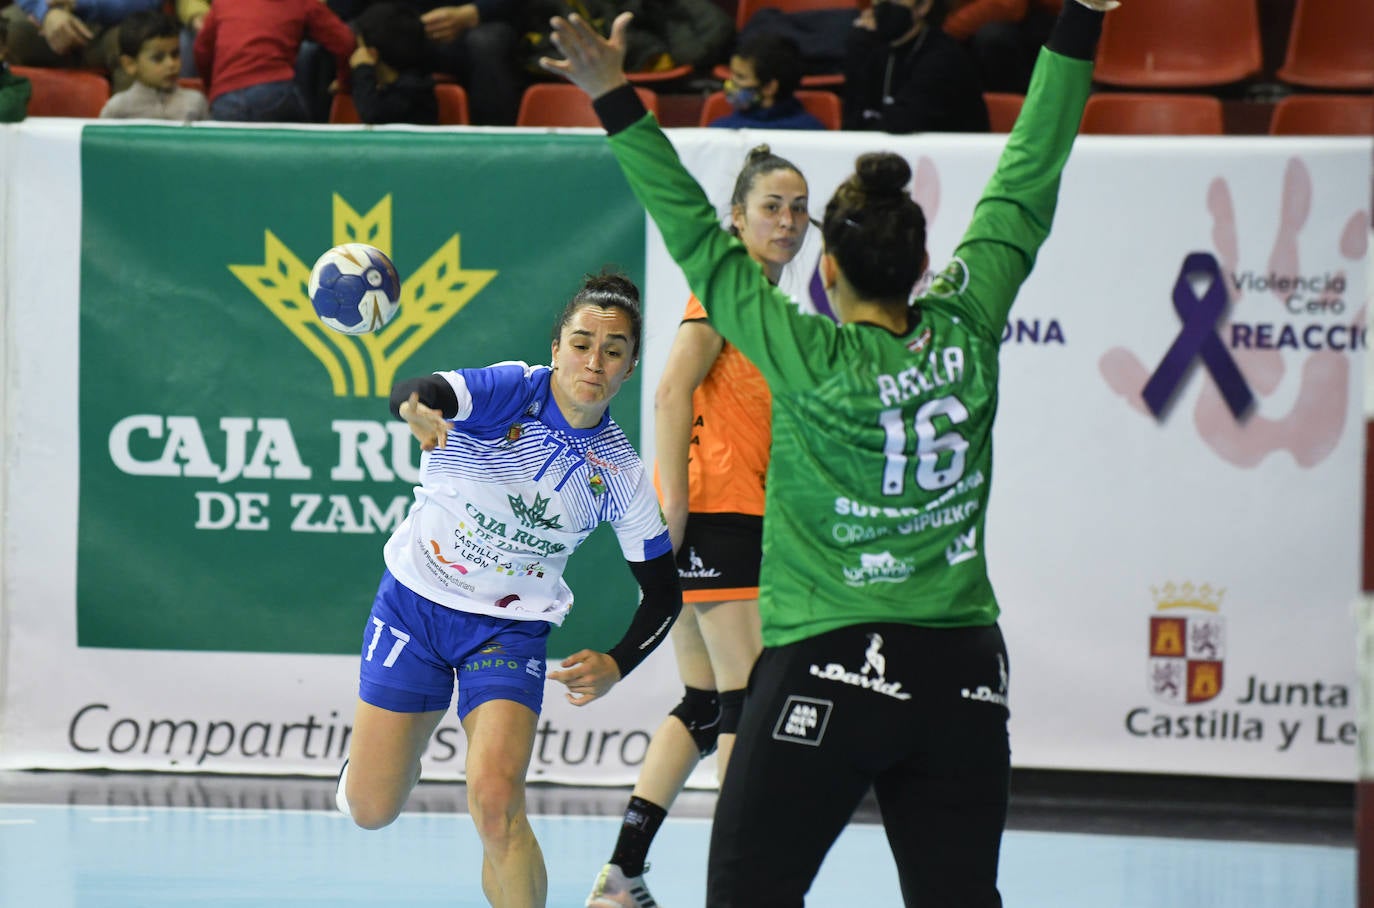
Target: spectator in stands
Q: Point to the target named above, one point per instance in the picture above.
(150, 52)
(246, 52)
(477, 43)
(71, 33)
(764, 74)
(904, 74)
(390, 84)
(14, 90)
(1004, 37)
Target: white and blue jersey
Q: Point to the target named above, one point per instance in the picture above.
(514, 491)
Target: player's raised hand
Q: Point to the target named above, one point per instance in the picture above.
(592, 63)
(587, 674)
(426, 424)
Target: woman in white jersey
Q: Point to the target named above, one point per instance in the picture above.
(521, 464)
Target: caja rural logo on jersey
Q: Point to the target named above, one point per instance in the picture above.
(364, 365)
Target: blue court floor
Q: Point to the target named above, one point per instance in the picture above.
(255, 852)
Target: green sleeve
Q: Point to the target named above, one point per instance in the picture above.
(1012, 219)
(14, 100)
(789, 348)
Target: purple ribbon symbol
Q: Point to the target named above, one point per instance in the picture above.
(1198, 338)
(819, 298)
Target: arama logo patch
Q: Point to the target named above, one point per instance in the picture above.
(803, 720)
(364, 365)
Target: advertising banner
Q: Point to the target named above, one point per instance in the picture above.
(200, 477)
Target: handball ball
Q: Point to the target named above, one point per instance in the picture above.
(355, 288)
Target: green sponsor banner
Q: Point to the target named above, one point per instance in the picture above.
(240, 470)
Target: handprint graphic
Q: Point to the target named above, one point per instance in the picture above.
(1241, 364)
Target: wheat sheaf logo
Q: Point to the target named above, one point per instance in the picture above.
(364, 365)
(532, 515)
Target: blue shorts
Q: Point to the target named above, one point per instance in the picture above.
(413, 647)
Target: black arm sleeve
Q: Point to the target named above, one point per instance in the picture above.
(619, 108)
(434, 392)
(658, 609)
(1076, 31)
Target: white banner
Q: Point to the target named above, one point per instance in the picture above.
(1177, 588)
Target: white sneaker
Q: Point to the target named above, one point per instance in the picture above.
(340, 801)
(613, 889)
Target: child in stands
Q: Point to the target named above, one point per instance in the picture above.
(246, 52)
(764, 75)
(390, 84)
(150, 52)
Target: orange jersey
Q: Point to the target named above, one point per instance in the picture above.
(732, 427)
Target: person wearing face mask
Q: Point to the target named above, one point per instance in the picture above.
(904, 74)
(764, 74)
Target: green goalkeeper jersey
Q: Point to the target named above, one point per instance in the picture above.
(877, 489)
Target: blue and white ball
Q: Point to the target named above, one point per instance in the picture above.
(355, 288)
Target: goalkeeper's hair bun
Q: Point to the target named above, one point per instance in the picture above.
(875, 230)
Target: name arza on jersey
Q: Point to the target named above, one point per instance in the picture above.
(944, 367)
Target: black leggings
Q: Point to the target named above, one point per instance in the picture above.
(919, 714)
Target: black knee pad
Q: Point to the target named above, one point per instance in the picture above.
(731, 705)
(700, 712)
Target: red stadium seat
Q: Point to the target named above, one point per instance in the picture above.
(1323, 115)
(1171, 44)
(1152, 114)
(823, 105)
(64, 92)
(342, 110)
(657, 77)
(453, 104)
(564, 104)
(1331, 45)
(1003, 109)
(745, 9)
